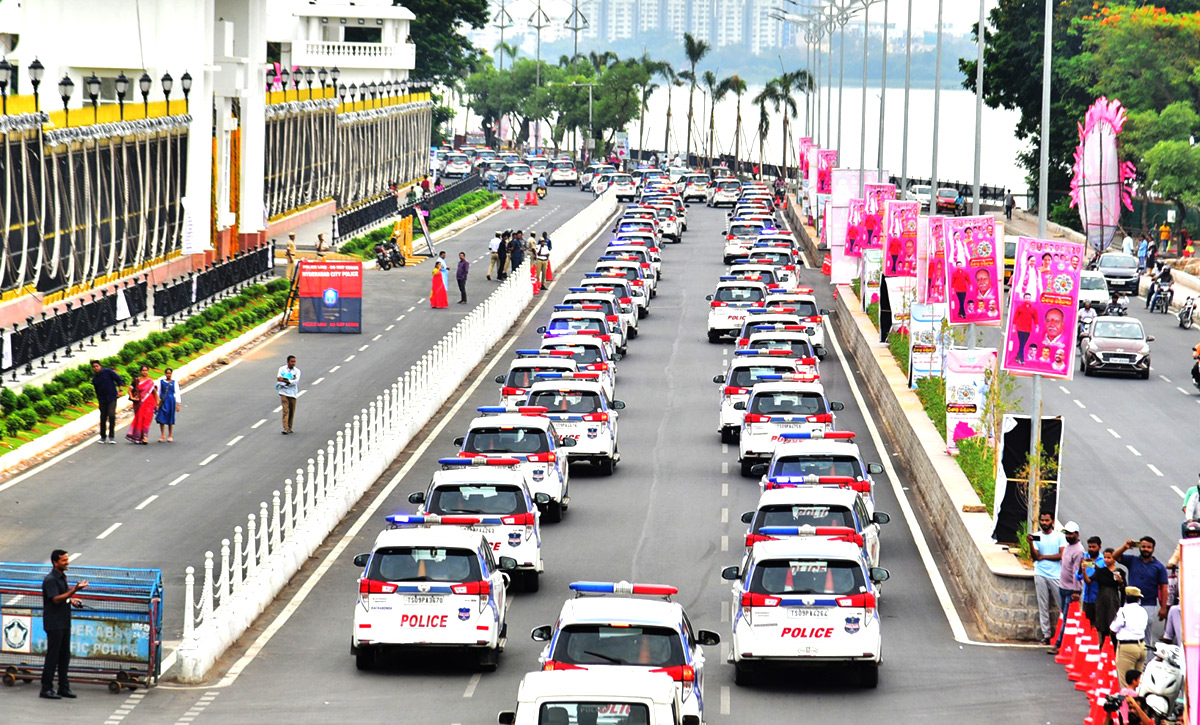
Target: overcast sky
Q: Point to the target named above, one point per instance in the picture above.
(959, 13)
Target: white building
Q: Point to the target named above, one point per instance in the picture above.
(366, 39)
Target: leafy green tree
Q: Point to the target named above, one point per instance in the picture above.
(786, 87)
(1174, 170)
(695, 50)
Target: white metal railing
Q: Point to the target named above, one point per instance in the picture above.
(240, 581)
(350, 50)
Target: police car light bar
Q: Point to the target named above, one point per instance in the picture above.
(477, 461)
(855, 484)
(780, 328)
(622, 587)
(577, 289)
(790, 377)
(519, 409)
(544, 353)
(830, 435)
(781, 353)
(573, 308)
(435, 519)
(567, 376)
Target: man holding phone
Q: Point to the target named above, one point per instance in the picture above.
(57, 600)
(1147, 574)
(1045, 548)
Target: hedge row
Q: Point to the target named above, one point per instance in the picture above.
(73, 387)
(364, 247)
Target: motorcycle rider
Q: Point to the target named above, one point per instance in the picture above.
(1161, 284)
(1114, 306)
(1086, 315)
(1196, 367)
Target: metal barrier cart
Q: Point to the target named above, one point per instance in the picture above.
(116, 636)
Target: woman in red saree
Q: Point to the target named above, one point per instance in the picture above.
(437, 294)
(144, 395)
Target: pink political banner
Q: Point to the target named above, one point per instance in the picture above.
(1039, 337)
(1189, 615)
(931, 261)
(806, 143)
(876, 196)
(827, 159)
(972, 270)
(966, 392)
(855, 231)
(900, 238)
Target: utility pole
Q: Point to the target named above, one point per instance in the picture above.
(502, 21)
(883, 88)
(907, 90)
(538, 21)
(978, 112)
(862, 123)
(576, 22)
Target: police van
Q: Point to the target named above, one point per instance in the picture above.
(815, 458)
(744, 371)
(581, 410)
(728, 305)
(602, 697)
(520, 376)
(815, 511)
(781, 404)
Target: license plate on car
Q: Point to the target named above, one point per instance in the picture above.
(423, 599)
(1120, 358)
(484, 529)
(804, 613)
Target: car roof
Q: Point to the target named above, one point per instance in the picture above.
(610, 684)
(635, 610)
(741, 283)
(806, 495)
(478, 474)
(755, 361)
(541, 362)
(805, 546)
(577, 314)
(515, 420)
(589, 386)
(573, 341)
(440, 536)
(817, 447)
(773, 386)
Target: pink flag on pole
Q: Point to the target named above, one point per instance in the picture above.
(876, 196)
(1039, 337)
(931, 261)
(900, 238)
(972, 270)
(827, 159)
(855, 232)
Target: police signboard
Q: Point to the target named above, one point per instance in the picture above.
(330, 293)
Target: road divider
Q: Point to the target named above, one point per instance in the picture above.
(239, 583)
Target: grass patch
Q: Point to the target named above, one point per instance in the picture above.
(898, 344)
(363, 246)
(873, 313)
(932, 394)
(977, 460)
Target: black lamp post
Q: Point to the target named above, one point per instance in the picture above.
(93, 91)
(36, 71)
(284, 76)
(296, 78)
(309, 74)
(65, 87)
(5, 77)
(341, 92)
(122, 84)
(353, 93)
(334, 73)
(323, 75)
(144, 83)
(270, 79)
(167, 84)
(374, 93)
(185, 82)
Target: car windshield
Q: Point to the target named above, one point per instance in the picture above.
(744, 230)
(799, 348)
(584, 354)
(817, 465)
(619, 644)
(524, 377)
(1124, 330)
(738, 294)
(920, 191)
(1091, 282)
(539, 163)
(424, 564)
(803, 308)
(808, 576)
(478, 498)
(506, 439)
(786, 403)
(772, 257)
(566, 401)
(575, 325)
(561, 712)
(803, 515)
(563, 165)
(746, 377)
(1118, 261)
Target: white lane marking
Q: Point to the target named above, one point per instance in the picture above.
(179, 479)
(724, 543)
(334, 369)
(149, 500)
(208, 460)
(1133, 450)
(1114, 433)
(278, 408)
(1079, 403)
(724, 615)
(724, 698)
(301, 393)
(349, 358)
(724, 447)
(389, 327)
(235, 440)
(368, 514)
(1064, 389)
(318, 381)
(260, 422)
(364, 347)
(1182, 390)
(1173, 488)
(725, 515)
(471, 685)
(373, 339)
(75, 556)
(1165, 379)
(724, 489)
(109, 530)
(401, 317)
(724, 466)
(410, 309)
(1154, 470)
(1096, 418)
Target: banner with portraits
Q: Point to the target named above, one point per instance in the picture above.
(876, 195)
(931, 261)
(925, 341)
(842, 268)
(827, 160)
(966, 392)
(806, 143)
(900, 238)
(973, 278)
(1039, 337)
(855, 231)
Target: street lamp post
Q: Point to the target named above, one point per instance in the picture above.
(35, 72)
(353, 93)
(144, 83)
(323, 75)
(309, 74)
(185, 83)
(883, 88)
(284, 76)
(907, 91)
(122, 85)
(862, 123)
(978, 111)
(937, 107)
(270, 79)
(167, 84)
(65, 87)
(5, 77)
(93, 91)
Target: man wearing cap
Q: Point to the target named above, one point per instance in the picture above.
(1149, 576)
(1129, 628)
(1069, 585)
(1045, 548)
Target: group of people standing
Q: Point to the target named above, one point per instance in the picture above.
(508, 249)
(440, 289)
(154, 401)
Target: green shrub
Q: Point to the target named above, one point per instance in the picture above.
(43, 408)
(132, 373)
(977, 460)
(68, 379)
(176, 333)
(158, 339)
(126, 355)
(210, 314)
(155, 358)
(279, 284)
(8, 400)
(29, 417)
(59, 402)
(13, 425)
(932, 393)
(33, 392)
(194, 323)
(111, 362)
(202, 335)
(138, 346)
(52, 388)
(898, 344)
(181, 352)
(23, 401)
(74, 397)
(87, 391)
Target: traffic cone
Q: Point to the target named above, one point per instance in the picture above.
(1071, 629)
(537, 287)
(529, 197)
(1075, 667)
(516, 201)
(532, 200)
(827, 266)
(503, 202)
(1093, 663)
(1096, 714)
(549, 272)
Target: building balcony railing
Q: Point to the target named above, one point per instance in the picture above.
(355, 55)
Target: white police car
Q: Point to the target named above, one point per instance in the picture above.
(563, 172)
(743, 373)
(781, 404)
(591, 172)
(489, 495)
(639, 247)
(520, 373)
(581, 410)
(603, 696)
(741, 269)
(723, 191)
(518, 175)
(728, 305)
(525, 434)
(631, 269)
(610, 303)
(624, 186)
(457, 165)
(607, 625)
(779, 256)
(589, 354)
(568, 321)
(668, 222)
(806, 601)
(627, 292)
(815, 511)
(801, 302)
(426, 587)
(815, 458)
(759, 316)
(794, 341)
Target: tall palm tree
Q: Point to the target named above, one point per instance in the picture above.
(786, 85)
(695, 50)
(735, 85)
(667, 73)
(503, 49)
(651, 68)
(768, 96)
(600, 61)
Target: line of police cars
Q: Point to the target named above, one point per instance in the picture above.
(440, 577)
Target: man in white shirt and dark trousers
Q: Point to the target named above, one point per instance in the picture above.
(1129, 629)
(287, 384)
(494, 250)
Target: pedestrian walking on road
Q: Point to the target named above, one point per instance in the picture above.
(144, 395)
(464, 267)
(107, 384)
(170, 400)
(1129, 628)
(1010, 203)
(57, 599)
(1070, 588)
(1147, 574)
(494, 253)
(1046, 551)
(1142, 250)
(287, 384)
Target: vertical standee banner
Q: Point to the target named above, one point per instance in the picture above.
(1039, 337)
(966, 392)
(811, 196)
(900, 238)
(843, 268)
(973, 278)
(925, 343)
(1010, 500)
(826, 161)
(806, 143)
(931, 261)
(876, 195)
(330, 293)
(1189, 610)
(870, 271)
(855, 231)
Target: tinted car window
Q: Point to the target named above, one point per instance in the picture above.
(603, 644)
(803, 515)
(583, 354)
(748, 376)
(808, 576)
(506, 440)
(786, 403)
(738, 294)
(817, 465)
(568, 401)
(477, 498)
(424, 564)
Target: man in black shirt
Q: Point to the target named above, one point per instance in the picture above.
(57, 600)
(106, 382)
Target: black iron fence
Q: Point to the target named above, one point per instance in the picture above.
(183, 293)
(352, 221)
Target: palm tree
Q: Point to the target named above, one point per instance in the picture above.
(600, 61)
(695, 50)
(735, 85)
(505, 48)
(785, 84)
(768, 96)
(717, 90)
(668, 74)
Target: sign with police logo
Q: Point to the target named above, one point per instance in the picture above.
(593, 432)
(853, 624)
(514, 538)
(464, 613)
(538, 475)
(16, 633)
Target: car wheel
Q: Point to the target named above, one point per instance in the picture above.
(488, 660)
(728, 435)
(554, 512)
(714, 336)
(607, 466)
(530, 581)
(633, 332)
(365, 658)
(868, 675)
(642, 313)
(742, 674)
(746, 466)
(1145, 374)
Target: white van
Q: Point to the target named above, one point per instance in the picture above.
(563, 697)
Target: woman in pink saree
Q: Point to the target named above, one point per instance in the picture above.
(143, 392)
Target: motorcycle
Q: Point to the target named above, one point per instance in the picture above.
(541, 192)
(1160, 297)
(395, 256)
(1118, 307)
(1185, 313)
(382, 258)
(1162, 681)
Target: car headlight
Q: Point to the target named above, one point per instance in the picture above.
(1145, 350)
(1092, 347)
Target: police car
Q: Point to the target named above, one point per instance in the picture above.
(608, 625)
(728, 304)
(762, 317)
(781, 404)
(571, 320)
(740, 269)
(589, 355)
(814, 458)
(581, 410)
(743, 373)
(801, 302)
(640, 246)
(605, 696)
(632, 270)
(520, 375)
(693, 186)
(563, 172)
(793, 343)
(806, 601)
(591, 172)
(517, 175)
(739, 237)
(430, 587)
(667, 221)
(636, 221)
(609, 303)
(723, 191)
(812, 511)
(615, 281)
(525, 434)
(779, 256)
(624, 185)
(457, 165)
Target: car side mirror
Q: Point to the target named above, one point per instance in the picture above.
(459, 440)
(879, 575)
(567, 442)
(718, 379)
(747, 517)
(500, 379)
(542, 330)
(758, 469)
(836, 406)
(874, 468)
(541, 499)
(617, 405)
(361, 559)
(820, 352)
(508, 717)
(730, 573)
(708, 297)
(708, 638)
(880, 518)
(507, 563)
(825, 312)
(540, 634)
(740, 405)
(417, 497)
(1149, 338)
(690, 720)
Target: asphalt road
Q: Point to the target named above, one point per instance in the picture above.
(669, 515)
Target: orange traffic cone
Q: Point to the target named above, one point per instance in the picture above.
(516, 201)
(535, 199)
(529, 197)
(827, 266)
(1071, 629)
(1076, 668)
(503, 202)
(549, 272)
(1096, 714)
(1091, 673)
(537, 287)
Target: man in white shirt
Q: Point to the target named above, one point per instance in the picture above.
(494, 249)
(1127, 245)
(1129, 629)
(287, 384)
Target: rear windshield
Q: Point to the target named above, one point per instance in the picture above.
(593, 711)
(506, 440)
(583, 354)
(569, 401)
(803, 515)
(1089, 282)
(748, 376)
(728, 185)
(817, 465)
(803, 308)
(773, 257)
(563, 165)
(575, 325)
(786, 403)
(524, 377)
(622, 179)
(606, 306)
(738, 294)
(518, 169)
(768, 319)
(603, 644)
(766, 276)
(478, 498)
(456, 159)
(424, 564)
(745, 230)
(800, 348)
(629, 273)
(808, 576)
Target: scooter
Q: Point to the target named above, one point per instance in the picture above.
(541, 192)
(395, 256)
(1185, 313)
(1162, 681)
(382, 258)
